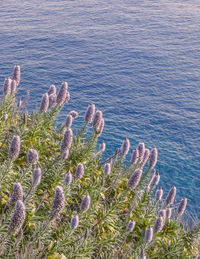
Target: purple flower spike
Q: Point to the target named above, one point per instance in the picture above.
(90, 113)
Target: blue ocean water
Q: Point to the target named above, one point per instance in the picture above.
(138, 61)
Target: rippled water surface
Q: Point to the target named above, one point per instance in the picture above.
(138, 61)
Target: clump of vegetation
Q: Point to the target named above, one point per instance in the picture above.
(58, 199)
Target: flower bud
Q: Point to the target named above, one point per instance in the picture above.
(74, 114)
(159, 194)
(107, 168)
(37, 174)
(45, 103)
(14, 148)
(182, 206)
(58, 201)
(62, 95)
(125, 147)
(18, 217)
(52, 90)
(74, 221)
(141, 150)
(156, 179)
(134, 179)
(68, 178)
(90, 113)
(16, 74)
(168, 213)
(100, 128)
(153, 157)
(159, 224)
(68, 122)
(97, 119)
(32, 156)
(148, 235)
(52, 100)
(13, 87)
(145, 157)
(171, 196)
(79, 171)
(67, 140)
(17, 193)
(135, 156)
(7, 86)
(85, 203)
(130, 226)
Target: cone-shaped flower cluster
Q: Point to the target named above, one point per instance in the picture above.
(148, 235)
(182, 206)
(153, 157)
(14, 148)
(17, 193)
(171, 196)
(134, 179)
(58, 202)
(74, 221)
(159, 194)
(68, 122)
(67, 140)
(16, 74)
(37, 174)
(7, 86)
(17, 218)
(45, 103)
(79, 171)
(62, 94)
(85, 203)
(107, 168)
(52, 90)
(130, 226)
(135, 156)
(32, 156)
(125, 147)
(89, 115)
(158, 226)
(68, 178)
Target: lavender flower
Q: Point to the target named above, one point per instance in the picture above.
(74, 221)
(68, 122)
(103, 147)
(13, 87)
(7, 86)
(135, 156)
(74, 114)
(159, 194)
(107, 168)
(125, 147)
(17, 193)
(45, 103)
(182, 206)
(85, 203)
(62, 95)
(141, 150)
(52, 100)
(145, 157)
(32, 156)
(198, 257)
(162, 213)
(100, 128)
(79, 171)
(134, 179)
(16, 74)
(168, 213)
(14, 148)
(58, 201)
(90, 113)
(148, 235)
(97, 119)
(68, 178)
(159, 224)
(130, 226)
(171, 196)
(67, 140)
(156, 179)
(153, 157)
(37, 174)
(52, 90)
(17, 218)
